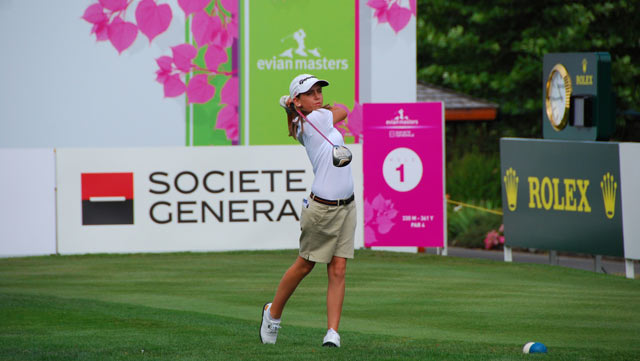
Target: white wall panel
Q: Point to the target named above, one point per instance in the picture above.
(27, 202)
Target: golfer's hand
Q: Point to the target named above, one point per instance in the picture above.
(285, 102)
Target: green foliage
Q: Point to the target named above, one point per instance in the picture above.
(494, 50)
(467, 227)
(474, 177)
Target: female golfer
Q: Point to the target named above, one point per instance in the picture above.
(328, 218)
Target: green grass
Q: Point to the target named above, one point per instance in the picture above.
(192, 306)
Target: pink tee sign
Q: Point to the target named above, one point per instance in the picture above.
(404, 201)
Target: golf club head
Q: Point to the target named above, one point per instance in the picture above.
(341, 156)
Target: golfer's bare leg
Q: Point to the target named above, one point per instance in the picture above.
(335, 291)
(291, 279)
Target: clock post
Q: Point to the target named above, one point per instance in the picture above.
(577, 98)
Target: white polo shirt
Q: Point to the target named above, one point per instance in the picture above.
(330, 182)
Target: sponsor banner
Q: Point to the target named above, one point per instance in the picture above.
(629, 181)
(184, 199)
(404, 170)
(562, 195)
(27, 202)
(281, 43)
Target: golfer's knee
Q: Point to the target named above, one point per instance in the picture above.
(337, 270)
(305, 267)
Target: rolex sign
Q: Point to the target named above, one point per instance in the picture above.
(562, 195)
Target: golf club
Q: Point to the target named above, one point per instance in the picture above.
(341, 155)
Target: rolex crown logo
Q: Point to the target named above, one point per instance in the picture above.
(609, 187)
(584, 65)
(511, 188)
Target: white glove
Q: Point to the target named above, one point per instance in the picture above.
(283, 102)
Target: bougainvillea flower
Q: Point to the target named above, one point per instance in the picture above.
(183, 55)
(231, 6)
(390, 11)
(174, 86)
(153, 19)
(94, 14)
(205, 27)
(191, 6)
(230, 92)
(385, 213)
(101, 30)
(398, 17)
(214, 57)
(164, 63)
(370, 235)
(228, 121)
(122, 34)
(368, 212)
(354, 121)
(232, 27)
(199, 90)
(114, 5)
(381, 7)
(223, 37)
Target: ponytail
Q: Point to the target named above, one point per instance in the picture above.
(293, 126)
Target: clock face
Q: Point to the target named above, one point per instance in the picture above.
(558, 96)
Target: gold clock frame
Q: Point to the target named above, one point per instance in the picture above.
(559, 68)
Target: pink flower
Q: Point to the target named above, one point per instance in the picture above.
(153, 19)
(354, 121)
(493, 239)
(390, 11)
(384, 212)
(191, 6)
(122, 34)
(199, 90)
(228, 120)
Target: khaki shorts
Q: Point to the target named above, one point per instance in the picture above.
(327, 231)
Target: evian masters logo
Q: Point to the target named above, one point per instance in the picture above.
(107, 198)
(295, 55)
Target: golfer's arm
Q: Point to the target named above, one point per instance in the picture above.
(339, 114)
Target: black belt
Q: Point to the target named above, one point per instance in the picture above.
(339, 202)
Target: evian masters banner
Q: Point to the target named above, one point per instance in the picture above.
(404, 201)
(287, 38)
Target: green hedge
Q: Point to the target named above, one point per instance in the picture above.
(474, 177)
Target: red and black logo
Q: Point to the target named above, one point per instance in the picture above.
(107, 198)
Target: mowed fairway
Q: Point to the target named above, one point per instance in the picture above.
(193, 306)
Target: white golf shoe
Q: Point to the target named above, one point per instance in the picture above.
(268, 327)
(332, 339)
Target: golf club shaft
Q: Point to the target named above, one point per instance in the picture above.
(314, 127)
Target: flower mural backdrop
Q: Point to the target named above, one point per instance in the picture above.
(214, 27)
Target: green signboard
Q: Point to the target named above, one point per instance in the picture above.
(562, 195)
(287, 38)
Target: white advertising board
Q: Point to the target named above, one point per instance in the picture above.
(630, 179)
(27, 202)
(124, 200)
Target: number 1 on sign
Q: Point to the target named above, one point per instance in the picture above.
(401, 170)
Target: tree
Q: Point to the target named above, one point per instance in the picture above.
(494, 50)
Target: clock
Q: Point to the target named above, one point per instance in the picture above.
(558, 97)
